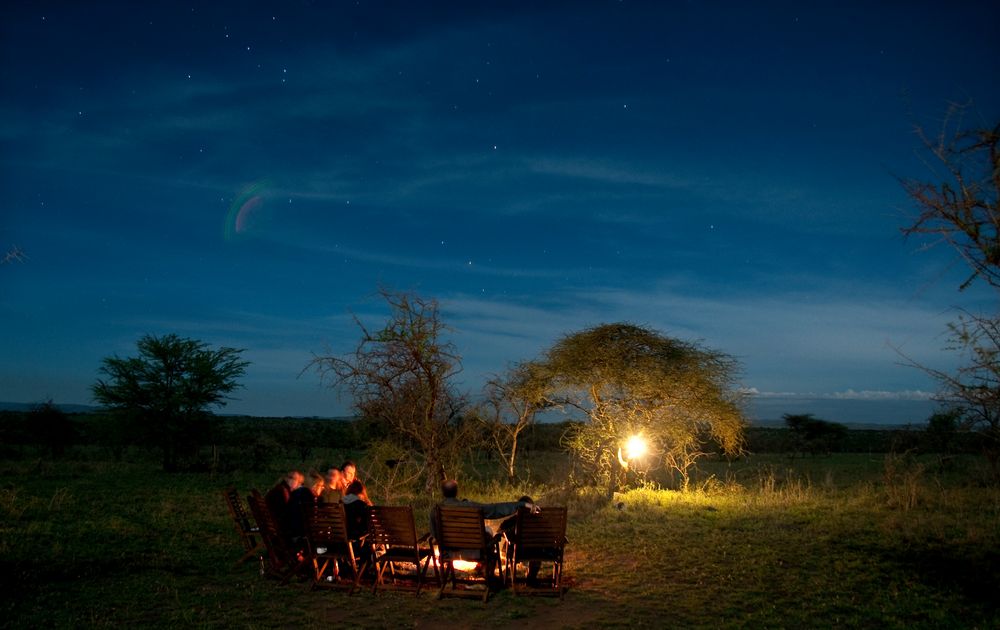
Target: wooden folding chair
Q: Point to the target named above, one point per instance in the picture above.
(247, 529)
(460, 535)
(329, 546)
(392, 536)
(538, 537)
(282, 560)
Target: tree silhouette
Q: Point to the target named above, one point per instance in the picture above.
(166, 392)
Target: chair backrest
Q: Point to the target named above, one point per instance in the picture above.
(459, 529)
(543, 530)
(237, 509)
(392, 526)
(278, 550)
(328, 527)
(265, 520)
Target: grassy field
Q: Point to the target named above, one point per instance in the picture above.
(845, 540)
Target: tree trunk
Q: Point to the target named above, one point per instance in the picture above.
(510, 462)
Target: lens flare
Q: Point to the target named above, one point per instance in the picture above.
(244, 218)
(242, 213)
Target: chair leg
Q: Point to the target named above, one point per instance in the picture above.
(318, 571)
(512, 565)
(422, 573)
(379, 572)
(364, 567)
(292, 571)
(357, 579)
(557, 578)
(446, 570)
(250, 553)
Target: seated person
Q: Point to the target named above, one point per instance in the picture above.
(277, 498)
(356, 510)
(507, 531)
(348, 476)
(331, 489)
(301, 507)
(449, 492)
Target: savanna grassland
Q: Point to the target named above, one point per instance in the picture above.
(841, 540)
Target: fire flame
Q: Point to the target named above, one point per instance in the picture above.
(460, 565)
(464, 565)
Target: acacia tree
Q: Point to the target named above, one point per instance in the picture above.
(962, 209)
(166, 392)
(812, 434)
(511, 402)
(400, 378)
(53, 428)
(632, 380)
(972, 392)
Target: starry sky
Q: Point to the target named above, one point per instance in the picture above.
(249, 174)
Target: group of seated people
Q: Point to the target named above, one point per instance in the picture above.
(290, 500)
(293, 497)
(491, 511)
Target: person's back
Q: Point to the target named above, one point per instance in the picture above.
(277, 498)
(491, 511)
(331, 489)
(356, 510)
(301, 507)
(449, 496)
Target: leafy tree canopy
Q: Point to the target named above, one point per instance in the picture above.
(168, 388)
(629, 379)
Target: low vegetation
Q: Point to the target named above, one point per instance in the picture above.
(898, 539)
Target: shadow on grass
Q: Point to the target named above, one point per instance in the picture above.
(971, 571)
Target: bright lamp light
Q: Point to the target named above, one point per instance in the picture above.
(635, 447)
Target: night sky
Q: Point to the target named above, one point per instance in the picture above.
(248, 174)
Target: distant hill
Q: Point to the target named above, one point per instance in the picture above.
(67, 407)
(76, 408)
(853, 426)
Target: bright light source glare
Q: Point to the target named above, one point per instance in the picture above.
(635, 447)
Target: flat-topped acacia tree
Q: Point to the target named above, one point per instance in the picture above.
(166, 392)
(630, 380)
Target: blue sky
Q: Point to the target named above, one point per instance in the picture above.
(249, 174)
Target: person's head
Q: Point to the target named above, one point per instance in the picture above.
(355, 488)
(449, 489)
(316, 482)
(294, 479)
(348, 470)
(333, 477)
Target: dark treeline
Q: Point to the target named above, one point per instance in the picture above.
(253, 442)
(889, 440)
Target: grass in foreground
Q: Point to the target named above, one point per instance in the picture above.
(838, 541)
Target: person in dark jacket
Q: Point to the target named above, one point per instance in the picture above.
(491, 511)
(278, 496)
(301, 506)
(356, 510)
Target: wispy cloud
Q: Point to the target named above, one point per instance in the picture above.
(806, 345)
(850, 394)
